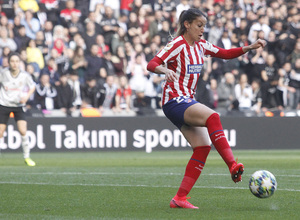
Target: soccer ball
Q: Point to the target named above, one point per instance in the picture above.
(262, 184)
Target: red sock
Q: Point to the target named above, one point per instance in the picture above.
(219, 140)
(193, 170)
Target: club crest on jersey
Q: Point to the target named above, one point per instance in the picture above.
(168, 47)
(194, 68)
(188, 100)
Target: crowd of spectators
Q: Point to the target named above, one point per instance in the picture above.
(93, 54)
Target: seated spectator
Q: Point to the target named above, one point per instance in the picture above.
(92, 94)
(94, 63)
(139, 74)
(79, 63)
(8, 9)
(204, 94)
(59, 46)
(111, 89)
(122, 22)
(23, 61)
(32, 25)
(109, 24)
(52, 10)
(108, 64)
(118, 39)
(26, 5)
(243, 92)
(256, 101)
(89, 35)
(151, 51)
(158, 81)
(143, 22)
(51, 70)
(65, 14)
(77, 41)
(133, 27)
(125, 6)
(74, 82)
(21, 38)
(48, 32)
(59, 32)
(5, 41)
(215, 32)
(123, 95)
(119, 61)
(293, 73)
(257, 64)
(40, 43)
(65, 96)
(103, 48)
(142, 104)
(62, 60)
(156, 23)
(226, 91)
(74, 24)
(34, 74)
(213, 89)
(272, 96)
(164, 33)
(17, 24)
(115, 6)
(296, 52)
(95, 17)
(261, 25)
(45, 94)
(34, 54)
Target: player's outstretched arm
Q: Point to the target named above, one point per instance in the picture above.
(257, 44)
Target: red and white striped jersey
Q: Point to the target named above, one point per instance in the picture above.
(186, 61)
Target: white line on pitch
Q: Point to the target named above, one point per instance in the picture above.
(113, 173)
(125, 185)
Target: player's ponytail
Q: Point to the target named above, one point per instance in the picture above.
(188, 15)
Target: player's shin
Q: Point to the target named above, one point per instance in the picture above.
(217, 136)
(193, 170)
(25, 146)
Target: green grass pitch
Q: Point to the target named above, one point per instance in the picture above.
(137, 185)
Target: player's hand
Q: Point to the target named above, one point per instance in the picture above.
(23, 100)
(259, 43)
(171, 75)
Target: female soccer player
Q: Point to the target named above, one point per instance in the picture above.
(13, 97)
(181, 60)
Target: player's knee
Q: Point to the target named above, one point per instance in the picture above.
(214, 117)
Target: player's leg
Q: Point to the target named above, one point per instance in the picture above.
(2, 130)
(201, 115)
(199, 140)
(22, 127)
(4, 116)
(20, 118)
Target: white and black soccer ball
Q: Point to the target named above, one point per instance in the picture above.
(262, 184)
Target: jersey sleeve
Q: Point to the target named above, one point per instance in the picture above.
(215, 51)
(170, 51)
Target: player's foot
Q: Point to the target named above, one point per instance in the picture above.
(236, 172)
(29, 162)
(177, 202)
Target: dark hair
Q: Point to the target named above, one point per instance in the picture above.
(13, 54)
(188, 15)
